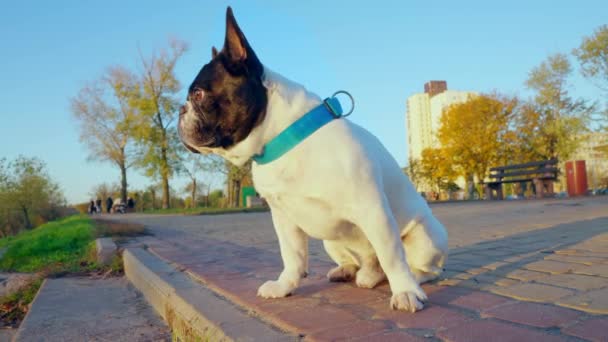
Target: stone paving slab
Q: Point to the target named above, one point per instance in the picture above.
(84, 309)
(517, 271)
(323, 311)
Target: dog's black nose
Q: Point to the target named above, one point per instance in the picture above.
(182, 110)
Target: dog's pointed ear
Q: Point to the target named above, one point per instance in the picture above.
(237, 47)
(213, 52)
(235, 44)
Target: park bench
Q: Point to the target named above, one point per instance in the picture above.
(541, 174)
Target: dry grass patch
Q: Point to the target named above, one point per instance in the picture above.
(15, 306)
(105, 228)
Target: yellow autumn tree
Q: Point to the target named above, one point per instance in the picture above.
(436, 168)
(477, 134)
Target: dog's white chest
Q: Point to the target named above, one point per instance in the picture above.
(314, 217)
(297, 202)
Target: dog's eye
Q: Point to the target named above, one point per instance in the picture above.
(198, 94)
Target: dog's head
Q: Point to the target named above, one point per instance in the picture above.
(227, 99)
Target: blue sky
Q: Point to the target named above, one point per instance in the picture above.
(381, 51)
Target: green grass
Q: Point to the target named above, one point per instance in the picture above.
(57, 248)
(205, 211)
(62, 244)
(54, 248)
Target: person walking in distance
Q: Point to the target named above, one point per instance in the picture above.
(109, 203)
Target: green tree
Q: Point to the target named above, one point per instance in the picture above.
(561, 118)
(105, 112)
(158, 107)
(237, 177)
(27, 193)
(477, 134)
(146, 198)
(215, 198)
(592, 55)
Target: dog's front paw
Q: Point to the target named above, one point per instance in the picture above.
(273, 289)
(408, 301)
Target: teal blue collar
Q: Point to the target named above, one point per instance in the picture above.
(302, 128)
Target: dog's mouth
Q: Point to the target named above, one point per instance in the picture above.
(184, 141)
(196, 132)
(190, 148)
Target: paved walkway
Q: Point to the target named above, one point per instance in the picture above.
(87, 309)
(517, 271)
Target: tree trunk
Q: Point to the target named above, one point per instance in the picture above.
(123, 183)
(237, 193)
(153, 198)
(166, 198)
(230, 192)
(26, 218)
(193, 203)
(165, 177)
(470, 186)
(164, 161)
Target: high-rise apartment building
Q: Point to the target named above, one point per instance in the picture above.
(435, 87)
(424, 115)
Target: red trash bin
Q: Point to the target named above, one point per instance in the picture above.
(576, 177)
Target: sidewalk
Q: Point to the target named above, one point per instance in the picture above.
(541, 274)
(86, 309)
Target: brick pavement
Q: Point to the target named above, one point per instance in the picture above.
(517, 271)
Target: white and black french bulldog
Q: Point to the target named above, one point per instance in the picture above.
(339, 184)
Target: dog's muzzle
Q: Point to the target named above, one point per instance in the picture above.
(182, 118)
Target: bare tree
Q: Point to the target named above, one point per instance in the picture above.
(105, 111)
(193, 166)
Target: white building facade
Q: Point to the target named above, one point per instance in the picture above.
(423, 116)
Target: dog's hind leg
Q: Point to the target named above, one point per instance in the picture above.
(370, 274)
(380, 227)
(342, 273)
(347, 268)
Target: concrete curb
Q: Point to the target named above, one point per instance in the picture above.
(106, 250)
(193, 312)
(17, 337)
